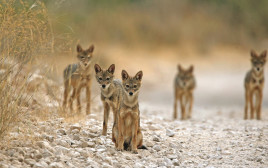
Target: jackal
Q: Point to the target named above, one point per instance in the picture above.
(254, 83)
(184, 87)
(111, 92)
(78, 76)
(127, 130)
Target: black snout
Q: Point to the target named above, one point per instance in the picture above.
(184, 83)
(103, 86)
(130, 93)
(258, 69)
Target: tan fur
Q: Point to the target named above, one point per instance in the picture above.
(128, 130)
(78, 76)
(111, 93)
(254, 83)
(184, 86)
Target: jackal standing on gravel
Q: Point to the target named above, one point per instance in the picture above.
(127, 129)
(78, 76)
(254, 83)
(184, 87)
(111, 92)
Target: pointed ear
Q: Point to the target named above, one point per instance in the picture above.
(90, 49)
(124, 75)
(111, 69)
(138, 76)
(79, 48)
(263, 54)
(253, 54)
(179, 68)
(191, 69)
(97, 68)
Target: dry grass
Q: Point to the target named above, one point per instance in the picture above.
(26, 34)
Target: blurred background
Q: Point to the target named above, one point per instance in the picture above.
(155, 36)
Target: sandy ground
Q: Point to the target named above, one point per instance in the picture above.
(216, 136)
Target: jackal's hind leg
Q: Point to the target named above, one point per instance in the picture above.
(88, 99)
(246, 104)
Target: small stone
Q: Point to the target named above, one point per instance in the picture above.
(176, 162)
(56, 165)
(128, 158)
(61, 131)
(156, 139)
(92, 135)
(101, 150)
(76, 137)
(153, 128)
(172, 157)
(42, 144)
(149, 144)
(84, 144)
(75, 126)
(170, 133)
(157, 148)
(91, 144)
(30, 162)
(63, 143)
(38, 156)
(75, 131)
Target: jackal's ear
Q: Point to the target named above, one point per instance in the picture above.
(179, 68)
(79, 48)
(138, 76)
(90, 49)
(191, 69)
(124, 75)
(97, 68)
(263, 54)
(253, 54)
(111, 69)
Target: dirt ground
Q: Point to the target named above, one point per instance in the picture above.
(216, 136)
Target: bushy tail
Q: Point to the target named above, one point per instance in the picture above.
(127, 145)
(143, 147)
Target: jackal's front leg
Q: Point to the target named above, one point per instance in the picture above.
(72, 99)
(183, 117)
(251, 105)
(134, 134)
(105, 117)
(120, 133)
(191, 100)
(65, 96)
(78, 99)
(88, 99)
(259, 98)
(175, 104)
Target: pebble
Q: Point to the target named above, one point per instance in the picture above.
(170, 133)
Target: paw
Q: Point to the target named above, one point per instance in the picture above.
(135, 151)
(119, 149)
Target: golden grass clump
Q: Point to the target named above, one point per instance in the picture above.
(25, 34)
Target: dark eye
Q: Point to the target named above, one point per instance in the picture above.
(127, 86)
(100, 78)
(107, 78)
(135, 86)
(82, 57)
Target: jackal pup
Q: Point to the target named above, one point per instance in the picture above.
(111, 92)
(184, 86)
(128, 128)
(78, 76)
(254, 83)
